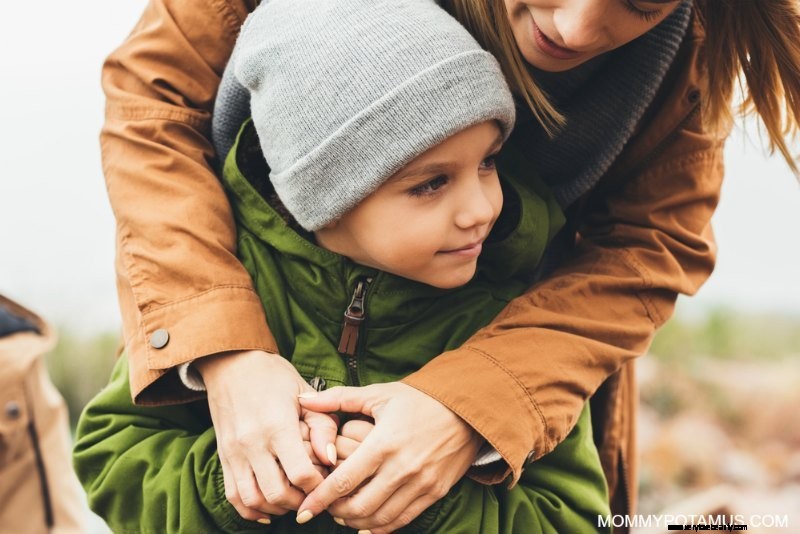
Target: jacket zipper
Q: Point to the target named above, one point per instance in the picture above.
(354, 316)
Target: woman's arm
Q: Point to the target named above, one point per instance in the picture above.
(645, 237)
(176, 265)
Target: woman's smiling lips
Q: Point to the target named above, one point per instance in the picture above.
(550, 48)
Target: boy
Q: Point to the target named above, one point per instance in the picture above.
(377, 243)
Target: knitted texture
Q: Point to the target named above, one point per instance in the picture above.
(603, 102)
(344, 93)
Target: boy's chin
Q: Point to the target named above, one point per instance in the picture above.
(453, 279)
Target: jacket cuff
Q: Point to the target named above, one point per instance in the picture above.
(479, 376)
(219, 320)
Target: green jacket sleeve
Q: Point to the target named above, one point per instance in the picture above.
(564, 491)
(152, 469)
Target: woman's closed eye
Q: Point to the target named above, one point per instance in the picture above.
(648, 15)
(429, 187)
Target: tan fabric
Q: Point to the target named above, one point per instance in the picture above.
(645, 237)
(38, 490)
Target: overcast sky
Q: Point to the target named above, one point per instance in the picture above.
(56, 227)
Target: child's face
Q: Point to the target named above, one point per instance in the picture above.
(428, 221)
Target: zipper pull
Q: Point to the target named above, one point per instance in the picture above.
(353, 317)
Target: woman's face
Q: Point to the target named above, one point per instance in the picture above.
(557, 35)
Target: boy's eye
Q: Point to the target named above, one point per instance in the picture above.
(489, 163)
(429, 187)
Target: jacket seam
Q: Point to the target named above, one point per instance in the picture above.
(695, 156)
(198, 119)
(177, 302)
(518, 382)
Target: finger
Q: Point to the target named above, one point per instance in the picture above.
(342, 481)
(357, 429)
(313, 457)
(322, 430)
(341, 399)
(345, 447)
(295, 461)
(232, 495)
(364, 504)
(272, 486)
(402, 516)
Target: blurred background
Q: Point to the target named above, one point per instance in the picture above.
(720, 390)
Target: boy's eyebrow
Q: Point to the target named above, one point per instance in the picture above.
(434, 168)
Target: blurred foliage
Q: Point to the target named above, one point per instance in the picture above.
(728, 335)
(80, 366)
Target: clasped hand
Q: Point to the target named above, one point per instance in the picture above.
(276, 441)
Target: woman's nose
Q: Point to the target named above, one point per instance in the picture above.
(582, 25)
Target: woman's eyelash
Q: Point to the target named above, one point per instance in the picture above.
(646, 15)
(428, 188)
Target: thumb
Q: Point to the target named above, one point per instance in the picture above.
(361, 400)
(322, 430)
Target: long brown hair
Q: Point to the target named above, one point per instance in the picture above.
(759, 39)
(488, 22)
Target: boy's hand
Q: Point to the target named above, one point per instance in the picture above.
(417, 451)
(352, 434)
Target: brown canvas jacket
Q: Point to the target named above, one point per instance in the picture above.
(644, 236)
(39, 492)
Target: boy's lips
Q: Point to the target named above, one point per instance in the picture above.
(470, 250)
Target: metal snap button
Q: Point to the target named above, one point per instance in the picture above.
(159, 338)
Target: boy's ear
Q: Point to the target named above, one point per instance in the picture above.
(331, 225)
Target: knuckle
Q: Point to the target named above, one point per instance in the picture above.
(341, 484)
(439, 489)
(403, 519)
(251, 500)
(303, 479)
(382, 519)
(232, 496)
(275, 498)
(358, 510)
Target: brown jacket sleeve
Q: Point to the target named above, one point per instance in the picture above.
(645, 237)
(176, 264)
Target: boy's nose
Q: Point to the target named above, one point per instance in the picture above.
(582, 25)
(479, 205)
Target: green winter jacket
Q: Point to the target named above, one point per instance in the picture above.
(155, 469)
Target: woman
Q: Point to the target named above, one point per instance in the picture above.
(637, 164)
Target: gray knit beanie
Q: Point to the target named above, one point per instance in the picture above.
(344, 93)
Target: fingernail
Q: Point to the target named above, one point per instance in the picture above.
(364, 532)
(264, 520)
(339, 521)
(307, 395)
(331, 450)
(304, 517)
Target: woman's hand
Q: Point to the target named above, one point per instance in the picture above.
(252, 396)
(416, 452)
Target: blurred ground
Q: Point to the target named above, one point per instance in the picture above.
(720, 419)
